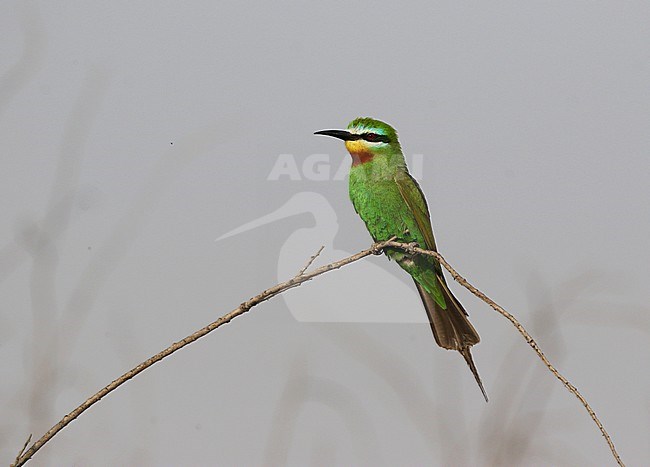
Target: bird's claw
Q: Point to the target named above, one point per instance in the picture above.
(410, 248)
(377, 251)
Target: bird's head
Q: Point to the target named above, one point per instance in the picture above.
(366, 138)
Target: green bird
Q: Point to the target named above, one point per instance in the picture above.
(391, 203)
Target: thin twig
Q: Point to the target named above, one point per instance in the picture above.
(529, 339)
(241, 309)
(29, 438)
(311, 260)
(282, 287)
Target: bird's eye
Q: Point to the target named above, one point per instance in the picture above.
(371, 137)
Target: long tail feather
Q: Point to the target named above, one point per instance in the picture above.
(451, 327)
(467, 355)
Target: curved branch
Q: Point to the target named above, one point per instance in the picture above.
(529, 339)
(240, 310)
(295, 281)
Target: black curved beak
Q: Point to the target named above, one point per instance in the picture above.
(340, 134)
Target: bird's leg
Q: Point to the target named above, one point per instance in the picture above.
(410, 248)
(377, 251)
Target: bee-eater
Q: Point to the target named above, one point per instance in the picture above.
(391, 203)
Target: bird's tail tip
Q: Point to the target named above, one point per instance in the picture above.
(467, 355)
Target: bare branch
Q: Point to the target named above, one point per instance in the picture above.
(29, 438)
(241, 309)
(297, 280)
(529, 339)
(311, 260)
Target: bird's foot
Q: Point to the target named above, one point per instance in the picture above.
(377, 251)
(410, 248)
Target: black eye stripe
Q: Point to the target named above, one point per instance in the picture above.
(374, 137)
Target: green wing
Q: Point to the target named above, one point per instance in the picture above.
(427, 271)
(414, 199)
(436, 284)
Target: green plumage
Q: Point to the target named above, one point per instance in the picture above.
(391, 204)
(381, 205)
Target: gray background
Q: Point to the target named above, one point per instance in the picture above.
(533, 121)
